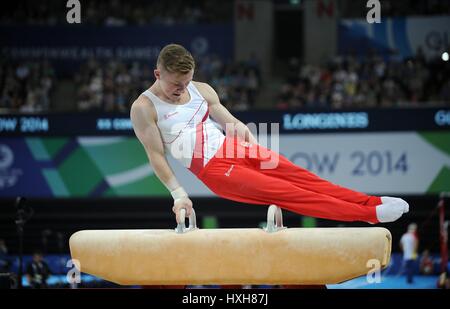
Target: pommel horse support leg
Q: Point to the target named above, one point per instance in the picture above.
(191, 256)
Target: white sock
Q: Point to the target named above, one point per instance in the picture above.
(395, 200)
(389, 212)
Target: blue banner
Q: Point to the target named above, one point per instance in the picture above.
(18, 170)
(69, 45)
(290, 122)
(395, 37)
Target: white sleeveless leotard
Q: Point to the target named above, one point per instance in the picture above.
(188, 133)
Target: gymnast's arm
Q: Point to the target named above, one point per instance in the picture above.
(231, 125)
(143, 118)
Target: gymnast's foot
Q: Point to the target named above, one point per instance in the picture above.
(395, 200)
(389, 212)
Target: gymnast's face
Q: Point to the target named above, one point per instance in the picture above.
(173, 85)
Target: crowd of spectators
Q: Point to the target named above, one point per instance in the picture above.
(389, 8)
(26, 86)
(118, 12)
(346, 82)
(140, 12)
(237, 83)
(112, 86)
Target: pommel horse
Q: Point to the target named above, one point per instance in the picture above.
(275, 255)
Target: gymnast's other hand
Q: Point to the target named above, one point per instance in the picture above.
(181, 200)
(178, 204)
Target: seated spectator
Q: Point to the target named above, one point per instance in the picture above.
(4, 258)
(426, 263)
(38, 271)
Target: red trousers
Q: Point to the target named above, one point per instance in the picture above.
(237, 173)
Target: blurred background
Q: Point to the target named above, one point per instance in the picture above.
(364, 105)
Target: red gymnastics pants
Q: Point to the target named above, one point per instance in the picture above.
(236, 173)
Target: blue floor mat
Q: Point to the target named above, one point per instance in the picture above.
(388, 282)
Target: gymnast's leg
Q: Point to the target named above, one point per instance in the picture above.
(244, 184)
(302, 178)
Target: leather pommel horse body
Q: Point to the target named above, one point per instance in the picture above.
(191, 256)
